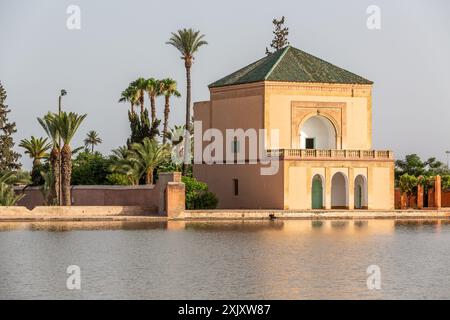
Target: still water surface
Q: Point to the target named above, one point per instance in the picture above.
(226, 260)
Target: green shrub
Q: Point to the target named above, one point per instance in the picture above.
(445, 182)
(169, 166)
(90, 169)
(197, 195)
(117, 179)
(205, 200)
(408, 184)
(7, 195)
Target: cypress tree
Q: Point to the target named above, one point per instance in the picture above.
(8, 157)
(280, 35)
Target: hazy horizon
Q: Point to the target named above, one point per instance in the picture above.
(407, 59)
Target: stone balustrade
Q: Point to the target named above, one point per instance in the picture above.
(295, 154)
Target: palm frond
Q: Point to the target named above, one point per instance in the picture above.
(92, 139)
(36, 148)
(7, 179)
(76, 150)
(68, 124)
(168, 87)
(50, 126)
(187, 41)
(7, 195)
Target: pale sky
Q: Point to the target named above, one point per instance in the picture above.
(408, 58)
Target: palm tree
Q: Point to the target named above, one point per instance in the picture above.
(153, 90)
(140, 85)
(7, 195)
(36, 148)
(122, 166)
(129, 95)
(50, 126)
(67, 125)
(46, 187)
(187, 41)
(146, 156)
(128, 169)
(92, 139)
(119, 154)
(168, 88)
(15, 178)
(175, 135)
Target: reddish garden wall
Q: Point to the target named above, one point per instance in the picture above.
(151, 197)
(397, 198)
(445, 199)
(144, 196)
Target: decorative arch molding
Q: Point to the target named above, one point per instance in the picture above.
(326, 115)
(318, 175)
(320, 126)
(301, 111)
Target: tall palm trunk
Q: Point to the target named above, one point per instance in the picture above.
(166, 117)
(141, 102)
(153, 107)
(187, 155)
(66, 166)
(35, 171)
(149, 177)
(36, 164)
(132, 107)
(54, 188)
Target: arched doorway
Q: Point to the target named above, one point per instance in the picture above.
(360, 192)
(339, 191)
(317, 194)
(317, 133)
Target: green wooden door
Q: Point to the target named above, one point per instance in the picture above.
(358, 197)
(317, 194)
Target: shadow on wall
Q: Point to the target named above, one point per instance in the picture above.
(145, 196)
(151, 197)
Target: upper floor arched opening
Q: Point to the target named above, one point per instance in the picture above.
(317, 132)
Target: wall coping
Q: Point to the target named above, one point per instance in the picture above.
(74, 211)
(91, 187)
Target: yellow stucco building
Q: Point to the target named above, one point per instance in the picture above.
(321, 117)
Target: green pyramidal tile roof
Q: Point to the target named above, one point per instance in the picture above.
(294, 65)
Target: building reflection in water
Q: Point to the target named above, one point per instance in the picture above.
(240, 225)
(373, 226)
(421, 224)
(61, 226)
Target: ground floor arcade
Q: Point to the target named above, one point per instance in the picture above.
(303, 185)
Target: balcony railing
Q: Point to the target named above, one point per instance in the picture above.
(294, 154)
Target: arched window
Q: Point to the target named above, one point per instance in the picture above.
(317, 192)
(318, 133)
(360, 192)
